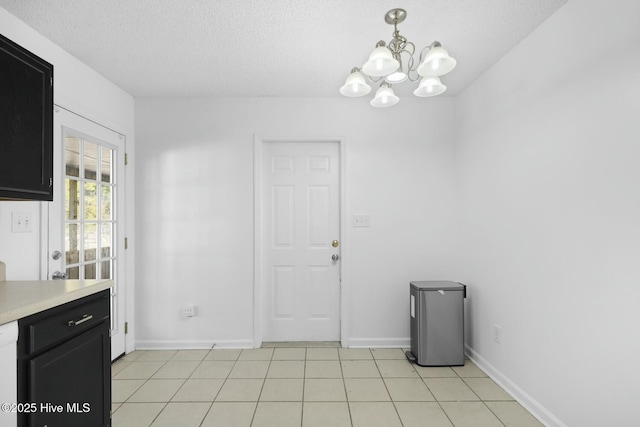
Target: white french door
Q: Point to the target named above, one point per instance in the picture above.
(300, 269)
(86, 217)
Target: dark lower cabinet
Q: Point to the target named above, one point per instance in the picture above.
(64, 365)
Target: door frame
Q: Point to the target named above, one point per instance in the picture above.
(258, 144)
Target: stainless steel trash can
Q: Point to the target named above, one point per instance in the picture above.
(437, 323)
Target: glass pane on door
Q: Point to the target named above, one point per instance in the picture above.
(89, 217)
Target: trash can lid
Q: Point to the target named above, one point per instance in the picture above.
(434, 285)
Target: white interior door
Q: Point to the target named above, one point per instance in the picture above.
(86, 218)
(300, 260)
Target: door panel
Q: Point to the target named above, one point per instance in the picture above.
(320, 278)
(284, 291)
(86, 218)
(301, 206)
(319, 216)
(283, 215)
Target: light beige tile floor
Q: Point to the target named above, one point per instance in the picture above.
(295, 386)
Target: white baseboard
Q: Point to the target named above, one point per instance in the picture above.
(192, 345)
(528, 402)
(379, 342)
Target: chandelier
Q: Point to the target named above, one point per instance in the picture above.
(392, 63)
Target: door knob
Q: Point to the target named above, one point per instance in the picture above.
(335, 257)
(58, 276)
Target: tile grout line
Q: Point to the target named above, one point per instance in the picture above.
(304, 382)
(474, 392)
(184, 381)
(190, 377)
(222, 385)
(264, 380)
(434, 396)
(165, 403)
(395, 408)
(346, 393)
(482, 400)
(459, 401)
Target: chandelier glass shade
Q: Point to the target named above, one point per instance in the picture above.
(429, 86)
(385, 97)
(436, 63)
(395, 62)
(356, 85)
(381, 62)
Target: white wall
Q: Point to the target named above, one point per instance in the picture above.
(548, 156)
(195, 209)
(81, 90)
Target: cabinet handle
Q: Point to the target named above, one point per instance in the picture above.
(85, 318)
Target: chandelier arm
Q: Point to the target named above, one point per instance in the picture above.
(403, 51)
(413, 48)
(371, 79)
(411, 69)
(410, 62)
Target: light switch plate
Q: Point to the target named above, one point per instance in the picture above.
(21, 222)
(362, 220)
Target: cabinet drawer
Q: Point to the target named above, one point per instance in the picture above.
(66, 324)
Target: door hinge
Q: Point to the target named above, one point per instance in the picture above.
(126, 243)
(50, 182)
(126, 328)
(50, 82)
(126, 159)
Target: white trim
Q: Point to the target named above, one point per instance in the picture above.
(380, 343)
(257, 242)
(529, 403)
(192, 345)
(129, 254)
(344, 250)
(44, 234)
(257, 233)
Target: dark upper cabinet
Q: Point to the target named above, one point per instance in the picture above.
(26, 124)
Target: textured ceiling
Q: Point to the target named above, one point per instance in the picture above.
(285, 48)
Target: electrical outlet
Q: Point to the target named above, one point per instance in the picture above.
(497, 333)
(189, 311)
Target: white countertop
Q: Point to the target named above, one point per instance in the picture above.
(23, 298)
